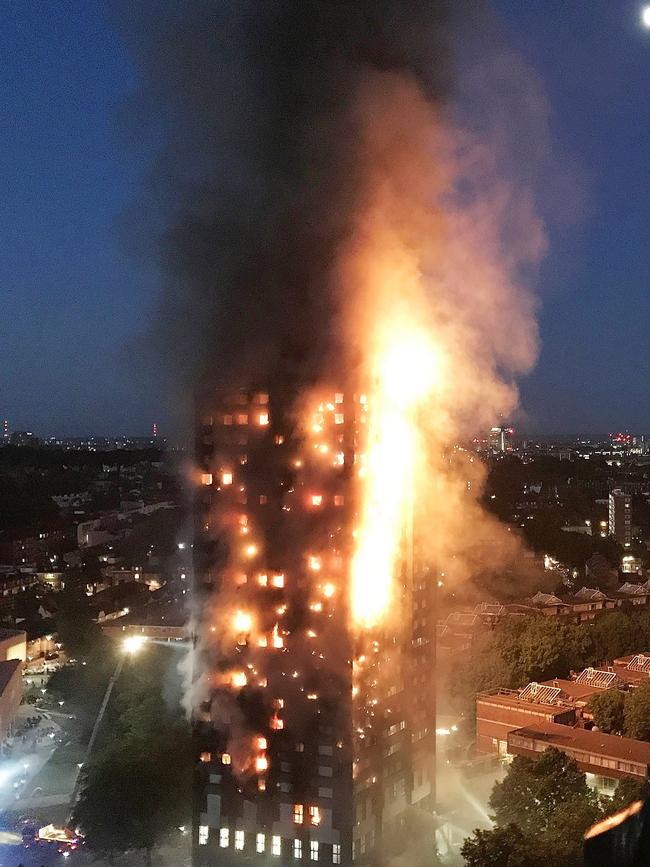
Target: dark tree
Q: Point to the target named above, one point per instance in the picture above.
(506, 847)
(637, 713)
(536, 791)
(608, 709)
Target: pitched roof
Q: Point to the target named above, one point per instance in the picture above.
(540, 693)
(590, 594)
(597, 678)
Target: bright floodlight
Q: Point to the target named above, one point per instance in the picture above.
(645, 16)
(133, 643)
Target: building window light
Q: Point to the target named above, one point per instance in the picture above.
(225, 759)
(206, 478)
(224, 837)
(239, 840)
(203, 835)
(242, 418)
(226, 477)
(316, 499)
(339, 418)
(313, 850)
(263, 419)
(227, 419)
(298, 813)
(276, 845)
(278, 581)
(338, 397)
(314, 815)
(297, 848)
(206, 757)
(260, 843)
(336, 853)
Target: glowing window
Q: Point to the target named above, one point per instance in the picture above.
(339, 418)
(279, 439)
(263, 418)
(339, 499)
(338, 397)
(226, 477)
(316, 499)
(203, 835)
(276, 845)
(227, 419)
(206, 478)
(298, 813)
(314, 815)
(263, 398)
(313, 850)
(225, 759)
(206, 757)
(224, 837)
(239, 840)
(242, 418)
(263, 499)
(260, 843)
(262, 580)
(336, 853)
(277, 581)
(297, 848)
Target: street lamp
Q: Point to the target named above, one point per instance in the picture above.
(133, 643)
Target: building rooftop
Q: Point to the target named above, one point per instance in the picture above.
(597, 678)
(6, 634)
(511, 698)
(595, 742)
(571, 690)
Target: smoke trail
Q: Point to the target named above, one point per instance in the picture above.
(256, 179)
(320, 199)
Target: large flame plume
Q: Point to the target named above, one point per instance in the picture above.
(437, 313)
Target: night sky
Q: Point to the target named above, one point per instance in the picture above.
(76, 306)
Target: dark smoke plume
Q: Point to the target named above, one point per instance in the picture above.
(256, 176)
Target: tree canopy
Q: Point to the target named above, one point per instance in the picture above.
(539, 803)
(608, 709)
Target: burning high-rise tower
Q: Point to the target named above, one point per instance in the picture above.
(315, 737)
(332, 230)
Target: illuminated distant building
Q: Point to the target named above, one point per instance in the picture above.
(24, 438)
(620, 517)
(5, 431)
(499, 439)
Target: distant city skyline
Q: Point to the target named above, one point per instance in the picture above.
(78, 306)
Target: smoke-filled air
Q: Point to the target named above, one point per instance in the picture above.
(334, 234)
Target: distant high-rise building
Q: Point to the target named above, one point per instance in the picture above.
(5, 431)
(620, 517)
(154, 430)
(499, 439)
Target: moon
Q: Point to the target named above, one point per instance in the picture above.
(645, 17)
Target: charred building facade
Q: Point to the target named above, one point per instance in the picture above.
(314, 741)
(274, 770)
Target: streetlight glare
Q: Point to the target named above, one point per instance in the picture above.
(133, 643)
(645, 16)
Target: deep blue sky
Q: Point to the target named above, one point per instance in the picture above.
(74, 305)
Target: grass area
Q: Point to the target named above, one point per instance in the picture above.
(58, 775)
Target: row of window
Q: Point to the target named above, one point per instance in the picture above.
(239, 843)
